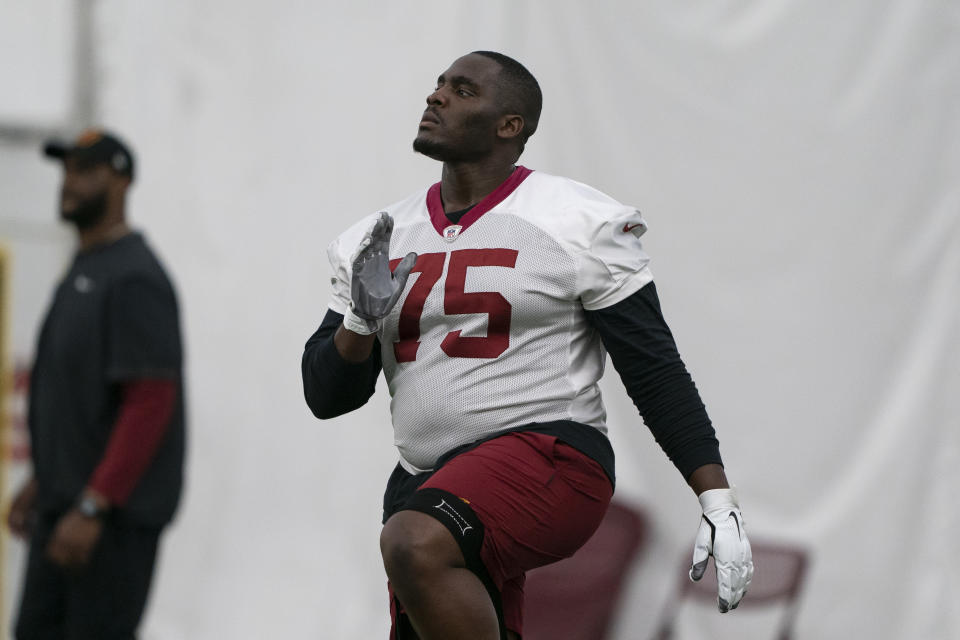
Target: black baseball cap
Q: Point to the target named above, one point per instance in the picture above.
(93, 147)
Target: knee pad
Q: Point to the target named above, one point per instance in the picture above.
(467, 529)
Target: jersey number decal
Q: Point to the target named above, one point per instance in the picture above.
(456, 301)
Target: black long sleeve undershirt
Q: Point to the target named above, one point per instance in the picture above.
(635, 335)
(331, 385)
(645, 355)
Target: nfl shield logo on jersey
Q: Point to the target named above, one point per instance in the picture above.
(450, 233)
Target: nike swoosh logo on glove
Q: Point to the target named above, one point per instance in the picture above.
(737, 520)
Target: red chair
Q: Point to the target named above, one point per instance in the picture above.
(576, 598)
(779, 573)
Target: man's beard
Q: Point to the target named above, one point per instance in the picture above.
(436, 150)
(475, 145)
(88, 212)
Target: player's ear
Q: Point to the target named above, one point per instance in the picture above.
(511, 126)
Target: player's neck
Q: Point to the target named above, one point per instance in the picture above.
(465, 184)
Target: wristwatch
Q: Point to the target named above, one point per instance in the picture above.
(88, 507)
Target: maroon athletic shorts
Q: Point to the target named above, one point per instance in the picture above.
(539, 500)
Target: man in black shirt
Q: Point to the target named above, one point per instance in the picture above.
(106, 415)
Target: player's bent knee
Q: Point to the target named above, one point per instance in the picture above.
(413, 543)
(434, 531)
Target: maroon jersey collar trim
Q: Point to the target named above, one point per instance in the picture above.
(495, 197)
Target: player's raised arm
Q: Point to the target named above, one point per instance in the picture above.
(374, 290)
(341, 361)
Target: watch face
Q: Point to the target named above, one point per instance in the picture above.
(88, 508)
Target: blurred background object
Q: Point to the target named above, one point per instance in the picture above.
(578, 598)
(779, 577)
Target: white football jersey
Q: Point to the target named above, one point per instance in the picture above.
(490, 331)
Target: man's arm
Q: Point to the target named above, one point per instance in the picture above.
(353, 347)
(645, 355)
(143, 418)
(23, 509)
(708, 476)
(340, 368)
(145, 413)
(341, 361)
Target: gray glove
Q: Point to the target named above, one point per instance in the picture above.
(373, 289)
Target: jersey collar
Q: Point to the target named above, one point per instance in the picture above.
(495, 197)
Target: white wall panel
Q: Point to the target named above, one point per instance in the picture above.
(37, 63)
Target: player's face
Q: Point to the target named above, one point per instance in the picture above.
(84, 192)
(462, 115)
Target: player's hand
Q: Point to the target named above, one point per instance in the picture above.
(722, 536)
(22, 512)
(74, 540)
(374, 290)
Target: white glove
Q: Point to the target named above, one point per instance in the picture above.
(373, 289)
(722, 536)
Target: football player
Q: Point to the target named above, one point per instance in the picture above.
(489, 302)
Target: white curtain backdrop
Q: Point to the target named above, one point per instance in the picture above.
(798, 165)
